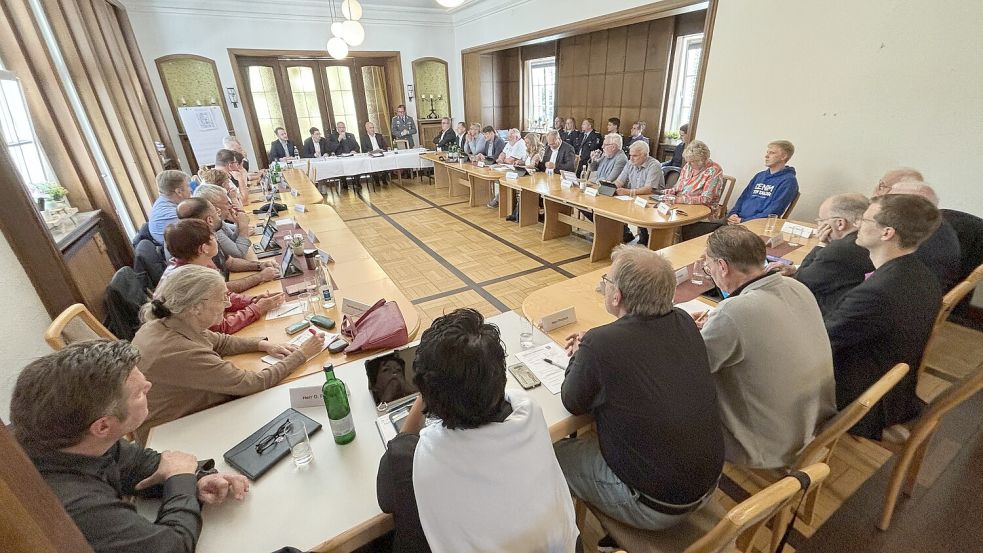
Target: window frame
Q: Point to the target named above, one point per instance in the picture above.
(529, 67)
(681, 73)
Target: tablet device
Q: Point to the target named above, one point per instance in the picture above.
(606, 188)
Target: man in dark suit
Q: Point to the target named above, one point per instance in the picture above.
(590, 140)
(559, 155)
(343, 141)
(886, 319)
(570, 134)
(837, 264)
(940, 252)
(372, 142)
(282, 148)
(316, 145)
(637, 134)
(446, 138)
(462, 136)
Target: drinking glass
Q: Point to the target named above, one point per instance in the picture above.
(299, 442)
(307, 305)
(310, 286)
(696, 273)
(787, 236)
(525, 333)
(771, 225)
(793, 240)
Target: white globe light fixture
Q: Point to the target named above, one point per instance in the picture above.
(337, 29)
(337, 48)
(353, 33)
(351, 9)
(450, 3)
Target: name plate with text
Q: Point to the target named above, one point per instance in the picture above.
(641, 202)
(312, 237)
(481, 164)
(353, 308)
(295, 193)
(300, 208)
(664, 209)
(590, 191)
(306, 396)
(511, 175)
(682, 275)
(562, 317)
(564, 183)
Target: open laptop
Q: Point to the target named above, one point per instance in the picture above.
(288, 265)
(267, 246)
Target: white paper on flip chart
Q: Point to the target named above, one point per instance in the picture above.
(205, 127)
(551, 375)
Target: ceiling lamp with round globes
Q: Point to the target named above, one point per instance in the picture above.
(337, 29)
(351, 9)
(450, 3)
(337, 48)
(353, 33)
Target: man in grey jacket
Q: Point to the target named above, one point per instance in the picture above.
(608, 162)
(769, 354)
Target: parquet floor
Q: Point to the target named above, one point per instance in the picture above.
(444, 255)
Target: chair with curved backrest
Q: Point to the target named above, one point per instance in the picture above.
(75, 324)
(711, 529)
(670, 175)
(949, 302)
(905, 473)
(725, 193)
(148, 258)
(788, 210)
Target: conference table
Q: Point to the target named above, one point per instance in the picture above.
(333, 167)
(562, 204)
(329, 505)
(355, 273)
(582, 294)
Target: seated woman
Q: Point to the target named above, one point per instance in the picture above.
(460, 482)
(701, 180)
(191, 243)
(183, 359)
(534, 155)
(220, 177)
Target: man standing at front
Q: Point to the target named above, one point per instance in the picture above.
(590, 140)
(403, 126)
(641, 175)
(76, 442)
(769, 354)
(887, 319)
(658, 450)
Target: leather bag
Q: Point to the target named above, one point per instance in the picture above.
(381, 327)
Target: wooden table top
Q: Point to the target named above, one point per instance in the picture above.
(582, 292)
(354, 271)
(549, 186)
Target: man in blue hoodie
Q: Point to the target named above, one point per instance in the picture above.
(770, 191)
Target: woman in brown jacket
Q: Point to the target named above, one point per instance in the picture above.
(183, 359)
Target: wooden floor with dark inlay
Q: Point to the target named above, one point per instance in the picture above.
(445, 255)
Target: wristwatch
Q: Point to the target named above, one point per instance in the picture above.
(205, 468)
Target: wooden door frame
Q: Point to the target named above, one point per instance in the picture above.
(320, 89)
(447, 79)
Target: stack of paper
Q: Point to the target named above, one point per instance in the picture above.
(548, 362)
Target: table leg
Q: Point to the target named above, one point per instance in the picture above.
(661, 237)
(552, 226)
(480, 191)
(505, 201)
(456, 187)
(528, 208)
(441, 176)
(607, 234)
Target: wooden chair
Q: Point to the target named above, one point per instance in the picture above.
(788, 210)
(725, 193)
(75, 324)
(905, 474)
(949, 302)
(711, 530)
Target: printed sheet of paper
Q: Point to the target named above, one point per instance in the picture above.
(551, 372)
(695, 307)
(287, 309)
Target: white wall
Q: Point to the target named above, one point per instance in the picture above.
(858, 87)
(210, 28)
(26, 322)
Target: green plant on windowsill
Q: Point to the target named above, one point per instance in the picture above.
(53, 191)
(672, 135)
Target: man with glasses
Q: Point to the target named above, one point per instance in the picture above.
(941, 252)
(769, 354)
(641, 175)
(658, 450)
(837, 263)
(559, 155)
(887, 319)
(403, 126)
(76, 442)
(233, 238)
(608, 162)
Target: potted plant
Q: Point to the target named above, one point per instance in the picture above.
(672, 137)
(54, 194)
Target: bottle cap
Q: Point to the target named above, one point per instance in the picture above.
(328, 367)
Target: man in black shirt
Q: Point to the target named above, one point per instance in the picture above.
(75, 441)
(646, 380)
(837, 263)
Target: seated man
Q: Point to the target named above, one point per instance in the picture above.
(894, 176)
(265, 271)
(589, 141)
(637, 130)
(614, 125)
(462, 135)
(233, 238)
(457, 483)
(837, 263)
(769, 355)
(282, 148)
(512, 153)
(474, 142)
(886, 319)
(940, 252)
(677, 154)
(232, 143)
(231, 161)
(559, 155)
(373, 141)
(446, 138)
(771, 191)
(315, 145)
(640, 177)
(658, 450)
(173, 188)
(343, 142)
(76, 442)
(608, 162)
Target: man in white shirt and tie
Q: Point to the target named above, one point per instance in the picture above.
(375, 142)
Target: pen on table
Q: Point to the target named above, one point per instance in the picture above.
(294, 308)
(550, 361)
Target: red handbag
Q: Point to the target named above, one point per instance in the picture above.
(381, 327)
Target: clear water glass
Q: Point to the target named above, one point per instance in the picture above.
(525, 333)
(299, 442)
(307, 305)
(696, 273)
(771, 225)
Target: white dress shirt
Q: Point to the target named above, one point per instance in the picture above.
(375, 145)
(517, 150)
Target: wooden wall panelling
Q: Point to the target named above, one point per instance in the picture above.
(487, 70)
(471, 73)
(658, 65)
(598, 53)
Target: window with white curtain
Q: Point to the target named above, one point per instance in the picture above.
(18, 135)
(540, 93)
(686, 71)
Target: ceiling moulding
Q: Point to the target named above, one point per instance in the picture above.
(299, 10)
(477, 9)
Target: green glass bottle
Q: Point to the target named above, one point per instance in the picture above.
(335, 397)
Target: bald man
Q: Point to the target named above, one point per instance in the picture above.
(940, 252)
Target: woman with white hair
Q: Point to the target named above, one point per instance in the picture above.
(701, 179)
(184, 360)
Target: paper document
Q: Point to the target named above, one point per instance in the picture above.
(285, 310)
(548, 362)
(298, 341)
(695, 307)
(623, 198)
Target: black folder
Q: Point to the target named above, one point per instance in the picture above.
(606, 188)
(244, 458)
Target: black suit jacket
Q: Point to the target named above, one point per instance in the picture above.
(572, 138)
(881, 322)
(276, 150)
(367, 144)
(588, 143)
(498, 145)
(565, 158)
(834, 270)
(445, 139)
(343, 144)
(308, 150)
(940, 253)
(969, 230)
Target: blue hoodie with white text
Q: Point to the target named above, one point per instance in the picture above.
(767, 194)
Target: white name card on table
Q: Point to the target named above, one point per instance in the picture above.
(295, 193)
(797, 230)
(564, 183)
(353, 308)
(300, 208)
(312, 237)
(641, 202)
(511, 175)
(590, 191)
(682, 275)
(664, 209)
(306, 396)
(481, 164)
(554, 321)
(284, 221)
